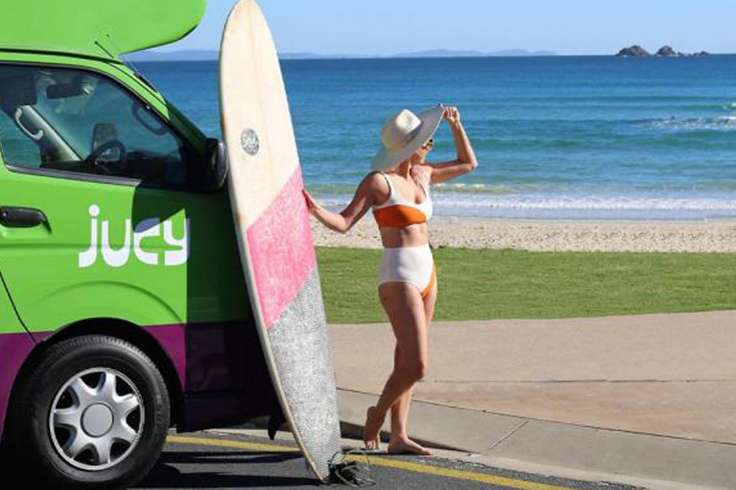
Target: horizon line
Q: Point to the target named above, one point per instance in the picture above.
(306, 55)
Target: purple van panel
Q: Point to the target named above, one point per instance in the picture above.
(227, 378)
(208, 356)
(222, 370)
(14, 348)
(217, 355)
(220, 367)
(173, 340)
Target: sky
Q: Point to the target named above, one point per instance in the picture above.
(567, 27)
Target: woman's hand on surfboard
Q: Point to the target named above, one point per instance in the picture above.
(311, 203)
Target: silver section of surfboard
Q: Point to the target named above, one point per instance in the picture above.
(300, 344)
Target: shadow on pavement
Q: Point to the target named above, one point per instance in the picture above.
(218, 474)
(166, 474)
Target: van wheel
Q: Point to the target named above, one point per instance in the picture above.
(94, 414)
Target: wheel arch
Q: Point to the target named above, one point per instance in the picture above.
(112, 327)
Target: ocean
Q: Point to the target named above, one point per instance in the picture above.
(580, 137)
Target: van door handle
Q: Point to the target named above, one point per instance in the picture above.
(21, 217)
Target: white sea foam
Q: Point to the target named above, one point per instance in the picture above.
(578, 206)
(477, 188)
(721, 123)
(590, 203)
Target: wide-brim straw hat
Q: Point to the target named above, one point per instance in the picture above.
(405, 133)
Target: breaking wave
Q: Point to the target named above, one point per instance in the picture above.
(721, 123)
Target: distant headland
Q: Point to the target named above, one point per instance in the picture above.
(637, 51)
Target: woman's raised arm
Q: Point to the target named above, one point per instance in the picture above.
(363, 199)
(465, 162)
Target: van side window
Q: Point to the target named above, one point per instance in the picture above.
(76, 121)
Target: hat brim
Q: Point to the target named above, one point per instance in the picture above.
(431, 119)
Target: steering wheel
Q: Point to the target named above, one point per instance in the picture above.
(92, 160)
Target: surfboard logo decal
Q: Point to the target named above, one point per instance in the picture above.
(250, 142)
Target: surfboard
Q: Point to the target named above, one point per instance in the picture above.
(100, 28)
(274, 235)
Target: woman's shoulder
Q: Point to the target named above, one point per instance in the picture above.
(374, 177)
(380, 178)
(376, 182)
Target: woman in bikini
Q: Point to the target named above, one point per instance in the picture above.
(398, 192)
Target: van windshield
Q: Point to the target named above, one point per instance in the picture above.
(77, 121)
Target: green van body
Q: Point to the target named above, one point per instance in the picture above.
(98, 28)
(110, 255)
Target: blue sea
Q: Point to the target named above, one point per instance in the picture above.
(556, 137)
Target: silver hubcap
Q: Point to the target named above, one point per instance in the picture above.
(96, 419)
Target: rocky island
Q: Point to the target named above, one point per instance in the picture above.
(637, 51)
(634, 51)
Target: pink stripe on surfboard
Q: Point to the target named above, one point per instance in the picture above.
(281, 249)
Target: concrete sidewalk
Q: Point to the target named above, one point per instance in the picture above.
(649, 397)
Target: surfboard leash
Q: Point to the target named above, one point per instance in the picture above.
(351, 473)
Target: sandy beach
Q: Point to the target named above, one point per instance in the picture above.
(554, 236)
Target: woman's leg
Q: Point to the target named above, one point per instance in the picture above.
(405, 309)
(400, 441)
(398, 408)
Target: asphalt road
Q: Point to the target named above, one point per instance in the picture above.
(217, 460)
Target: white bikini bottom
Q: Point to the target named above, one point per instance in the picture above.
(413, 265)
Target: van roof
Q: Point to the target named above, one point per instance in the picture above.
(99, 28)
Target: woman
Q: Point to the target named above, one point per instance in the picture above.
(398, 192)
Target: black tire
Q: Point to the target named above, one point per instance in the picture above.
(37, 437)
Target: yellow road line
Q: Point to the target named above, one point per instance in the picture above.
(377, 461)
(252, 446)
(457, 474)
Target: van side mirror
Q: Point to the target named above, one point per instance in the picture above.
(216, 166)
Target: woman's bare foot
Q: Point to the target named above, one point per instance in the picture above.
(404, 445)
(372, 430)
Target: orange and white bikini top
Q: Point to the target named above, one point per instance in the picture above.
(399, 212)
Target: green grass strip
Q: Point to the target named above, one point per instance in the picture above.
(490, 284)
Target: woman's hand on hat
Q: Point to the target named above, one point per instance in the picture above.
(451, 115)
